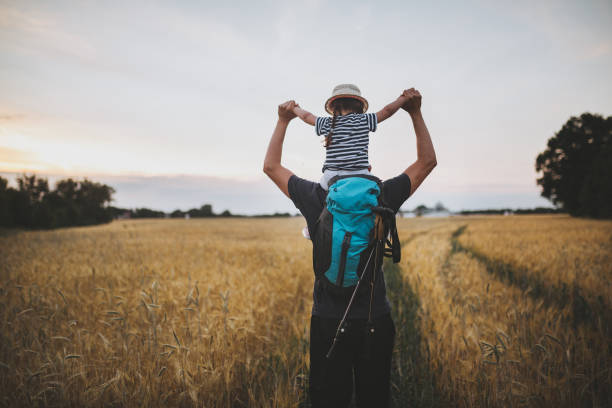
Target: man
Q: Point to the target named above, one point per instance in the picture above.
(331, 380)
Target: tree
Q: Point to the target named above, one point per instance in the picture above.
(34, 187)
(420, 210)
(204, 211)
(177, 214)
(5, 210)
(92, 199)
(577, 167)
(33, 205)
(440, 207)
(28, 208)
(147, 213)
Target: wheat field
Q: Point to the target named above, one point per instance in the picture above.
(490, 312)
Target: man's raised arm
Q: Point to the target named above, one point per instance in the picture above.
(272, 163)
(426, 155)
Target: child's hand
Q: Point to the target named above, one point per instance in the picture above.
(304, 115)
(412, 100)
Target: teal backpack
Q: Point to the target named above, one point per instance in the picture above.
(345, 240)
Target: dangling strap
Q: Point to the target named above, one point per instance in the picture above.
(393, 249)
(373, 279)
(379, 245)
(340, 327)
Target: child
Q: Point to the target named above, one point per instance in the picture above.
(347, 132)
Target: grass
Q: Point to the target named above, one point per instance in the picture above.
(412, 382)
(584, 310)
(215, 313)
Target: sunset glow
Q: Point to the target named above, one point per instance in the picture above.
(159, 89)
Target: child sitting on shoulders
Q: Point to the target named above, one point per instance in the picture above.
(347, 131)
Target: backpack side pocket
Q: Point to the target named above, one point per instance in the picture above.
(322, 243)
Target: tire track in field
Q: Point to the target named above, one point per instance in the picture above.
(412, 382)
(584, 310)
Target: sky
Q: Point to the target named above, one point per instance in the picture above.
(173, 103)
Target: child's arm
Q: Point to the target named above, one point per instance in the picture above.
(305, 115)
(390, 109)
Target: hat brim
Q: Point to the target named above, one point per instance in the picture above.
(333, 98)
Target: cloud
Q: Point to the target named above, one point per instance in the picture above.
(576, 30)
(150, 88)
(599, 49)
(16, 160)
(8, 155)
(11, 117)
(35, 31)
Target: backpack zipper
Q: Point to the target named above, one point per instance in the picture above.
(346, 242)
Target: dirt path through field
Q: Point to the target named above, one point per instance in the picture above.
(585, 309)
(412, 383)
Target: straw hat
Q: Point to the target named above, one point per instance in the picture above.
(345, 91)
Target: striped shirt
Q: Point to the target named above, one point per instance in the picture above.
(349, 143)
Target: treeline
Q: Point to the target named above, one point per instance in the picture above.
(424, 210)
(537, 210)
(34, 205)
(440, 210)
(205, 211)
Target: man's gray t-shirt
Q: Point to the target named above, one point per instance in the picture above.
(309, 198)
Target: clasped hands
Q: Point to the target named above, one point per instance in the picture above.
(412, 103)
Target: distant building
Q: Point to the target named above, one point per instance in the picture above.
(425, 212)
(436, 214)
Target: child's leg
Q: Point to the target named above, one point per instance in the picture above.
(349, 172)
(327, 175)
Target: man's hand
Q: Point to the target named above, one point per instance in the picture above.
(285, 111)
(412, 102)
(272, 163)
(426, 155)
